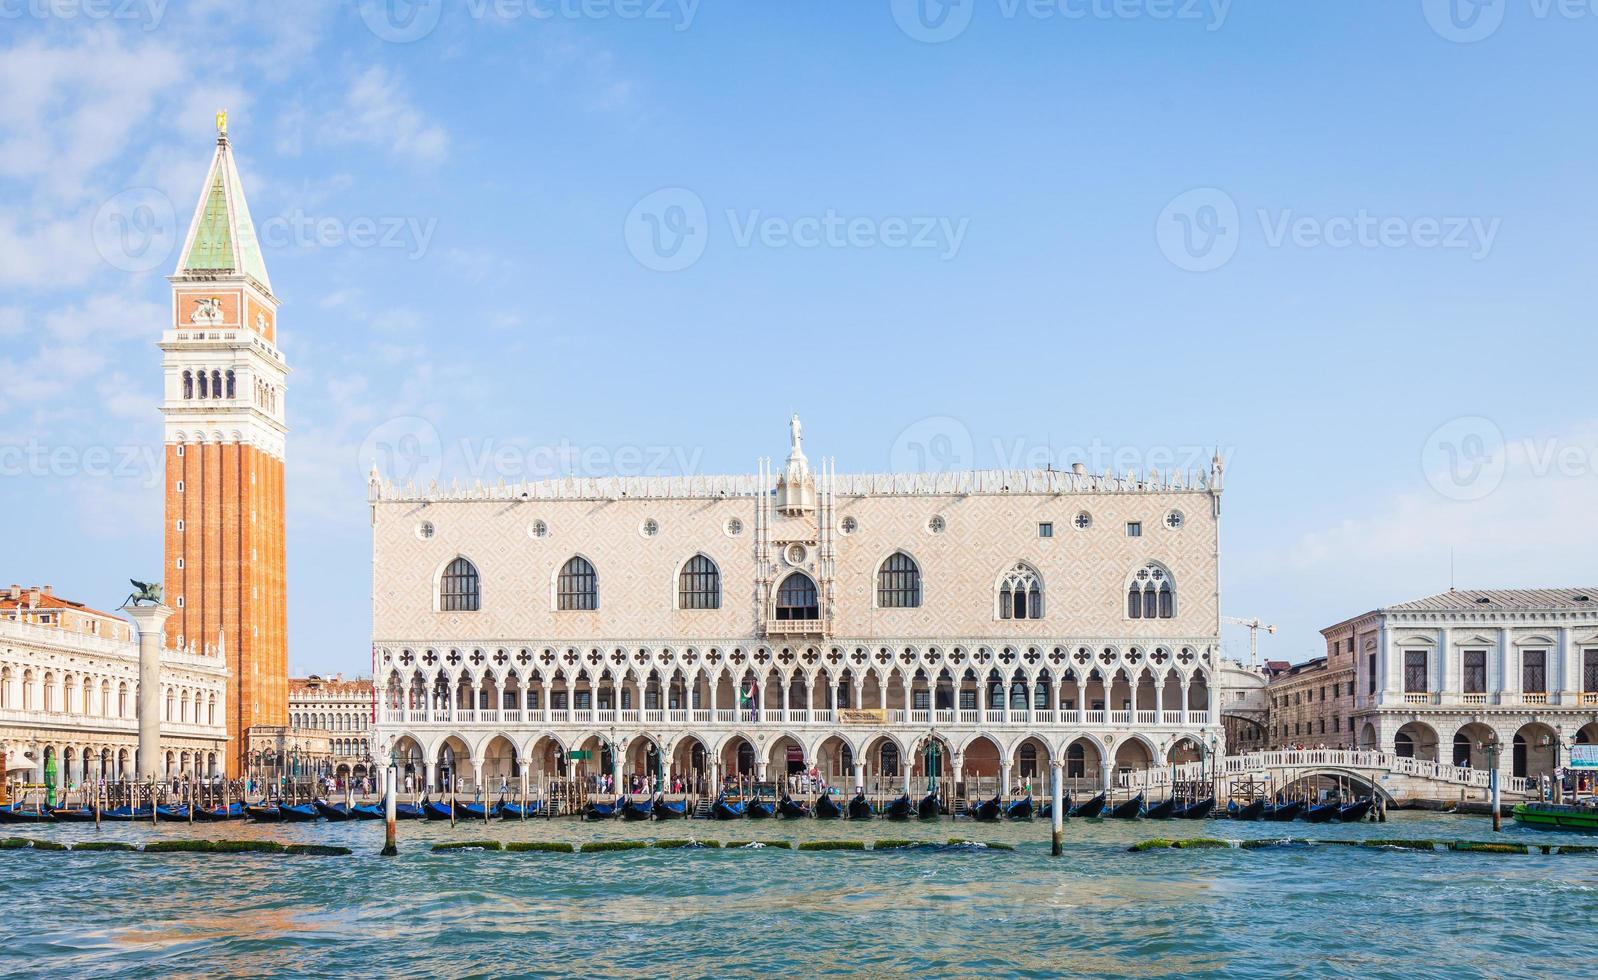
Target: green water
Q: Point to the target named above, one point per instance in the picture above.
(1308, 911)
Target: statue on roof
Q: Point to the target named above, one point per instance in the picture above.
(795, 431)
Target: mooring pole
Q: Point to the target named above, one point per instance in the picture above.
(1492, 786)
(390, 820)
(1057, 810)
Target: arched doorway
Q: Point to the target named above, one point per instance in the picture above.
(1470, 743)
(1536, 751)
(1416, 740)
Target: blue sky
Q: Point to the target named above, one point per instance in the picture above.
(1347, 243)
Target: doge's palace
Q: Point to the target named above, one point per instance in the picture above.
(875, 627)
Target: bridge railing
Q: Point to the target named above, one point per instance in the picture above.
(1361, 761)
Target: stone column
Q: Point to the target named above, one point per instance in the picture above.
(1106, 770)
(859, 775)
(1184, 701)
(1004, 779)
(149, 621)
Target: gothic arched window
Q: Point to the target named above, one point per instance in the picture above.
(1021, 593)
(188, 384)
(699, 584)
(899, 583)
(578, 586)
(797, 599)
(230, 385)
(216, 384)
(1151, 594)
(458, 590)
(205, 385)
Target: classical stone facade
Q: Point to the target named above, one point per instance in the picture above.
(224, 410)
(331, 719)
(69, 695)
(759, 623)
(1312, 704)
(1448, 677)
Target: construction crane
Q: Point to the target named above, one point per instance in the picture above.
(1254, 627)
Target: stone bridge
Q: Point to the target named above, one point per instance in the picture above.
(1396, 779)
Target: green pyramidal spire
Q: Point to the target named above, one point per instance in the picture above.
(222, 237)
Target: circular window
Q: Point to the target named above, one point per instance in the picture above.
(937, 524)
(649, 528)
(795, 554)
(1174, 519)
(734, 527)
(848, 525)
(1083, 520)
(538, 529)
(424, 530)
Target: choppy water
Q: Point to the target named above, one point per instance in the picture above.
(1097, 911)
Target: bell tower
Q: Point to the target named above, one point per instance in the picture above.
(225, 388)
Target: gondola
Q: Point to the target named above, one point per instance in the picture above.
(73, 814)
(642, 808)
(1163, 810)
(1248, 811)
(1196, 811)
(475, 811)
(902, 808)
(827, 808)
(725, 809)
(860, 808)
(125, 814)
(369, 811)
(987, 811)
(1283, 812)
(25, 815)
(409, 811)
(264, 813)
(299, 813)
(516, 811)
(1322, 813)
(1351, 813)
(436, 810)
(671, 809)
(336, 812)
(179, 812)
(217, 814)
(929, 807)
(1046, 809)
(761, 809)
(1091, 808)
(1129, 810)
(791, 809)
(1021, 809)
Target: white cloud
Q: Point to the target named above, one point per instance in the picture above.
(377, 113)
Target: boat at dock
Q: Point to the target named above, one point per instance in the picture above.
(298, 813)
(1163, 810)
(1128, 810)
(1090, 808)
(860, 808)
(1195, 811)
(902, 808)
(671, 809)
(1557, 816)
(1021, 809)
(516, 811)
(264, 813)
(929, 808)
(25, 815)
(179, 812)
(336, 812)
(792, 809)
(596, 810)
(988, 811)
(1246, 811)
(409, 811)
(1353, 812)
(725, 809)
(760, 809)
(369, 811)
(217, 814)
(1283, 812)
(827, 808)
(642, 808)
(73, 814)
(1322, 813)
